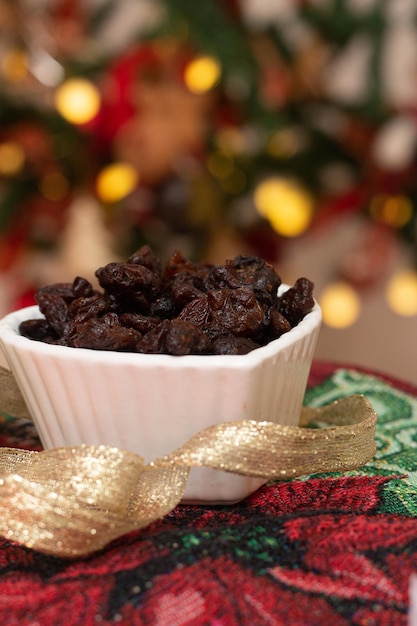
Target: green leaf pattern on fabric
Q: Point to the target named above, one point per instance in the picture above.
(396, 434)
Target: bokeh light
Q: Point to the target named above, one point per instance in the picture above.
(12, 158)
(77, 100)
(401, 292)
(286, 205)
(202, 74)
(14, 67)
(340, 305)
(395, 211)
(116, 181)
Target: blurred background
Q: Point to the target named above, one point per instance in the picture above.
(287, 130)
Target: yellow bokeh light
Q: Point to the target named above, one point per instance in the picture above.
(202, 74)
(54, 186)
(287, 206)
(401, 293)
(394, 211)
(116, 181)
(340, 305)
(12, 158)
(77, 100)
(14, 66)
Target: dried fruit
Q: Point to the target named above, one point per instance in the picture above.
(181, 308)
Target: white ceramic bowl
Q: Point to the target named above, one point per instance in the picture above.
(151, 404)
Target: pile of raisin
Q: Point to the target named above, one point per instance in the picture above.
(177, 308)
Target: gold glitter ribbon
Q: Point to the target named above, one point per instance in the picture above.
(72, 501)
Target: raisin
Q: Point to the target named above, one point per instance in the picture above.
(141, 323)
(214, 331)
(120, 278)
(233, 345)
(144, 256)
(84, 308)
(297, 301)
(197, 311)
(55, 310)
(129, 281)
(278, 324)
(223, 277)
(38, 330)
(186, 338)
(154, 341)
(105, 333)
(163, 307)
(64, 290)
(82, 288)
(256, 273)
(176, 264)
(185, 287)
(237, 310)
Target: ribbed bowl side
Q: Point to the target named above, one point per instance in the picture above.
(35, 388)
(150, 411)
(283, 382)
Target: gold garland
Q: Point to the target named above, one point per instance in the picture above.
(73, 501)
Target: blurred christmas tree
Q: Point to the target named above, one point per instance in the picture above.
(187, 122)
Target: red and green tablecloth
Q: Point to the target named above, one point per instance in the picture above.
(332, 549)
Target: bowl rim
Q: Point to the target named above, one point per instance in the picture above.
(9, 337)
